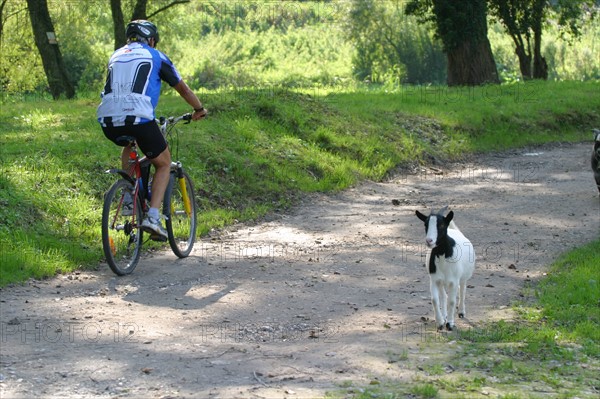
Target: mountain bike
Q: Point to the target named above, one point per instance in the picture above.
(126, 203)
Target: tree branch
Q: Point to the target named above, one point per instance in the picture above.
(167, 7)
(8, 15)
(5, 18)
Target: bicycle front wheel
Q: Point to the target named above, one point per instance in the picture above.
(121, 232)
(180, 209)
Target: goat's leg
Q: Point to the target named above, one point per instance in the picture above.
(443, 298)
(461, 299)
(435, 301)
(452, 289)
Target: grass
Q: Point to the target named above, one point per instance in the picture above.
(550, 350)
(259, 151)
(565, 311)
(557, 331)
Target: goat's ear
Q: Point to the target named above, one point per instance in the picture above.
(421, 216)
(449, 217)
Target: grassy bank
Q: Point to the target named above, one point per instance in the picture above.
(551, 350)
(259, 150)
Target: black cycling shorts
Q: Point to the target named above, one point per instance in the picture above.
(147, 135)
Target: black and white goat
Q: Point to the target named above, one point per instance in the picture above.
(596, 157)
(451, 262)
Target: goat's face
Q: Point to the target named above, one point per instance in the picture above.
(436, 227)
(597, 143)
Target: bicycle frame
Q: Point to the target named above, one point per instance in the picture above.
(141, 180)
(138, 176)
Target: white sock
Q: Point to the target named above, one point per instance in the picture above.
(153, 213)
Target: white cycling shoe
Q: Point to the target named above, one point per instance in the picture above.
(155, 228)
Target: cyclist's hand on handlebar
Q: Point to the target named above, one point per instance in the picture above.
(197, 115)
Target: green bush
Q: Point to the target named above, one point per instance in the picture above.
(392, 47)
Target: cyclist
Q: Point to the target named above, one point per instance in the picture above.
(129, 98)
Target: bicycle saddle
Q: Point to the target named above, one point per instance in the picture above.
(125, 140)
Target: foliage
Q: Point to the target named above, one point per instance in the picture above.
(275, 44)
(392, 46)
(303, 57)
(524, 22)
(250, 44)
(572, 13)
(20, 67)
(81, 45)
(572, 59)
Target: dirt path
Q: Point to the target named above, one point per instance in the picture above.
(331, 292)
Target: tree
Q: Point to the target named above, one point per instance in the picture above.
(52, 60)
(524, 22)
(462, 28)
(139, 12)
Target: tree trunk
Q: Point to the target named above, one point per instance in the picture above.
(462, 26)
(540, 67)
(118, 23)
(54, 67)
(524, 62)
(2, 5)
(139, 11)
(471, 64)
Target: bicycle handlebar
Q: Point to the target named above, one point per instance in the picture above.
(171, 120)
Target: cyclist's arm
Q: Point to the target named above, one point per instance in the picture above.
(190, 97)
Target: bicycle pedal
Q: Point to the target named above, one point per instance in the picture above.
(157, 237)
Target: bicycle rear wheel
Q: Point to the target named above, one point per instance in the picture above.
(180, 209)
(121, 234)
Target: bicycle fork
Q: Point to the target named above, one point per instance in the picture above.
(178, 169)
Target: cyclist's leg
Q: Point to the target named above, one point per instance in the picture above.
(162, 166)
(112, 133)
(152, 143)
(125, 157)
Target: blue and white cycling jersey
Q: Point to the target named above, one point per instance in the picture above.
(133, 85)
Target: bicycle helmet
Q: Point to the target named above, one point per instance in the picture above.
(142, 28)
